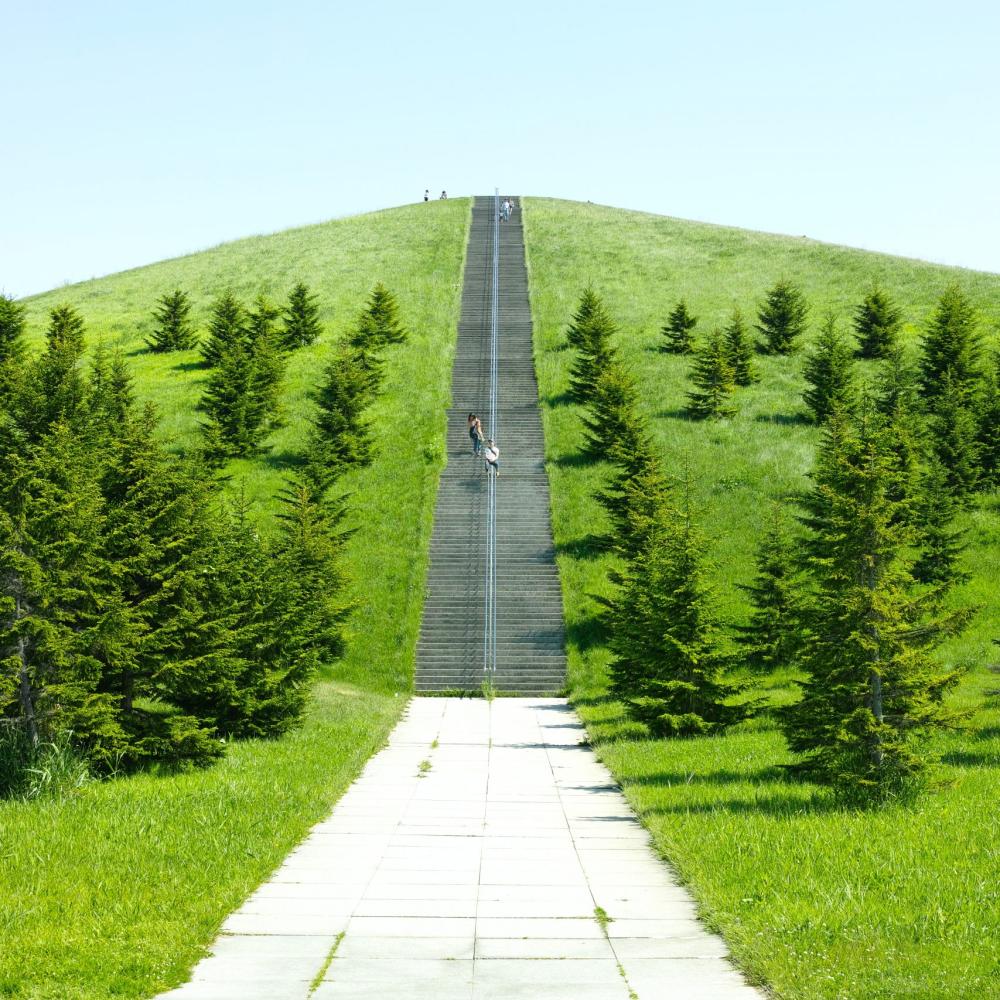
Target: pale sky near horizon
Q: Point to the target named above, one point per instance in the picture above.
(139, 131)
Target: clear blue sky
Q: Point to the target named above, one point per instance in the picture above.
(136, 131)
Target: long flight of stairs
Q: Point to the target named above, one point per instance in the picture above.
(530, 638)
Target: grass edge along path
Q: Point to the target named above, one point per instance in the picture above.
(118, 890)
(815, 903)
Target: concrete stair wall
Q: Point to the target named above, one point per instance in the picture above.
(530, 636)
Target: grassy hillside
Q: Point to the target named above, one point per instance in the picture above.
(816, 902)
(117, 890)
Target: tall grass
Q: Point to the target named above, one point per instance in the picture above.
(815, 901)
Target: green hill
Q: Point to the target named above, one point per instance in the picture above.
(117, 889)
(814, 901)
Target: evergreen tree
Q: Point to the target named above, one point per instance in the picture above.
(591, 333)
(11, 346)
(110, 394)
(771, 637)
(235, 425)
(876, 323)
(988, 427)
(782, 318)
(367, 351)
(53, 389)
(680, 323)
(612, 408)
(172, 326)
(301, 325)
(53, 580)
(227, 329)
(872, 693)
(268, 359)
(712, 376)
(578, 333)
(897, 403)
(951, 429)
(739, 351)
(829, 371)
(341, 437)
(941, 544)
(951, 345)
(663, 632)
(383, 310)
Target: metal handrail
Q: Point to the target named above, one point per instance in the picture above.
(490, 617)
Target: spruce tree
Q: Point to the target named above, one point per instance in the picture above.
(770, 639)
(951, 345)
(383, 310)
(612, 411)
(941, 544)
(341, 437)
(873, 693)
(829, 372)
(782, 318)
(988, 426)
(897, 402)
(235, 425)
(11, 346)
(739, 350)
(678, 330)
(301, 325)
(268, 359)
(54, 615)
(668, 663)
(951, 429)
(712, 376)
(172, 326)
(227, 329)
(591, 334)
(876, 323)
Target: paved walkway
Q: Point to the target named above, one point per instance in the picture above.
(468, 862)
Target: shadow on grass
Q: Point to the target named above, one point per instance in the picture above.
(673, 779)
(785, 419)
(768, 805)
(558, 399)
(970, 758)
(676, 413)
(283, 461)
(587, 633)
(586, 547)
(576, 460)
(191, 366)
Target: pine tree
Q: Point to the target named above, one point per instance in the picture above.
(53, 388)
(829, 371)
(53, 581)
(951, 345)
(876, 323)
(951, 429)
(677, 331)
(712, 376)
(235, 410)
(612, 409)
(110, 394)
(268, 359)
(367, 351)
(578, 333)
(782, 318)
(739, 351)
(988, 427)
(665, 638)
(301, 318)
(383, 310)
(227, 329)
(11, 347)
(872, 693)
(172, 326)
(941, 544)
(341, 437)
(591, 334)
(772, 636)
(897, 402)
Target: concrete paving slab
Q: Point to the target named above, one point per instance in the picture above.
(477, 881)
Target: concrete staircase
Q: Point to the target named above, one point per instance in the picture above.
(530, 639)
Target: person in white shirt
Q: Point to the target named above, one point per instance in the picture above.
(492, 456)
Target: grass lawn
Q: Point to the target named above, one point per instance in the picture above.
(116, 891)
(815, 901)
